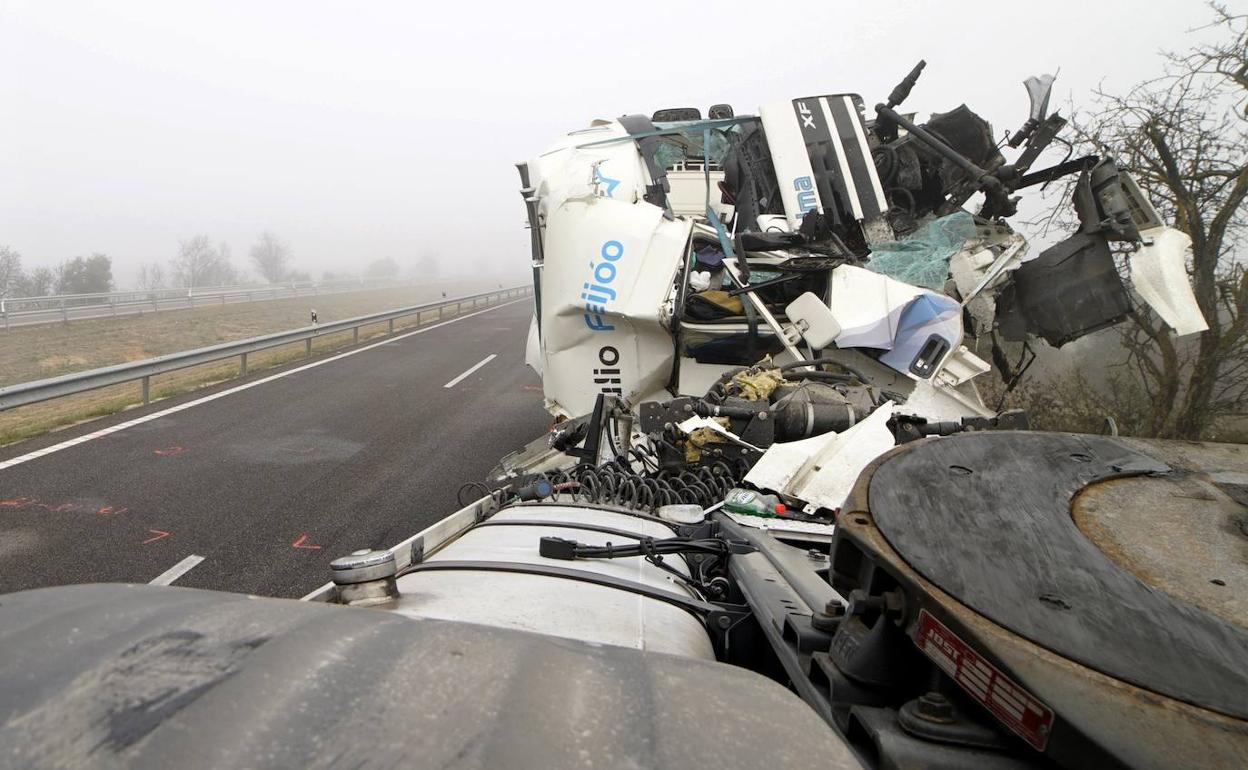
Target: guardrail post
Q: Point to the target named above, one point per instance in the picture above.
(440, 309)
(355, 334)
(392, 326)
(113, 305)
(6, 319)
(308, 346)
(242, 365)
(155, 305)
(147, 390)
(64, 312)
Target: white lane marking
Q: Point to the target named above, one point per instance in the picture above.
(475, 367)
(177, 570)
(230, 391)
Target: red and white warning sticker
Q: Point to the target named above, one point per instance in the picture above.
(1015, 707)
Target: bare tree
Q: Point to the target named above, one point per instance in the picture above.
(10, 271)
(272, 257)
(36, 283)
(196, 262)
(1184, 136)
(151, 276)
(224, 253)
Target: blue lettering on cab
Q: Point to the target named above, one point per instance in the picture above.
(805, 193)
(598, 293)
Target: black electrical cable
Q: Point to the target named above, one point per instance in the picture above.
(822, 376)
(485, 491)
(821, 361)
(651, 549)
(654, 557)
(612, 438)
(560, 548)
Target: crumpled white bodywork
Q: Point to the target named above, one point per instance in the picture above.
(612, 266)
(609, 268)
(821, 470)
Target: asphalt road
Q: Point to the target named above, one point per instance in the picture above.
(270, 483)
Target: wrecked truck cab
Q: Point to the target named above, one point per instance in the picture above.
(603, 320)
(668, 248)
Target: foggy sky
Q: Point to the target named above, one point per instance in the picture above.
(366, 130)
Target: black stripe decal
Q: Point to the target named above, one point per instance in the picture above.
(822, 155)
(861, 165)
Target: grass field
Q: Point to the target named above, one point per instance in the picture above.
(36, 352)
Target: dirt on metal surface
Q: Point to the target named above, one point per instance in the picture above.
(1179, 534)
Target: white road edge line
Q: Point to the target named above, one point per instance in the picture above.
(475, 367)
(177, 570)
(230, 391)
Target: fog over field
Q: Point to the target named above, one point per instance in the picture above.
(388, 130)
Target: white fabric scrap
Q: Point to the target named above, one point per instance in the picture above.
(822, 470)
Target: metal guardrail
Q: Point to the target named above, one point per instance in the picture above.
(80, 382)
(65, 307)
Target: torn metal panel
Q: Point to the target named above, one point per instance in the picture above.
(1159, 276)
(868, 307)
(821, 471)
(608, 169)
(917, 328)
(610, 267)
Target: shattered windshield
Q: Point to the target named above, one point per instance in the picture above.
(686, 150)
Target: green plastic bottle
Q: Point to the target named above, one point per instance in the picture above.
(753, 503)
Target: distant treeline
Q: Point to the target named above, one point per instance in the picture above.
(80, 275)
(198, 262)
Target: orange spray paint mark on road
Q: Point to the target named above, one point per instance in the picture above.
(28, 503)
(302, 542)
(169, 451)
(159, 533)
(34, 502)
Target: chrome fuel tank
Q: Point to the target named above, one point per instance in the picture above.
(471, 582)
